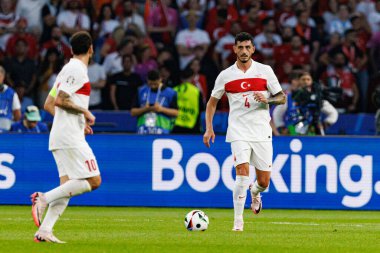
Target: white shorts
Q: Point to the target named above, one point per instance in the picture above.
(258, 154)
(76, 163)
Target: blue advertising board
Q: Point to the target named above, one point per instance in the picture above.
(178, 171)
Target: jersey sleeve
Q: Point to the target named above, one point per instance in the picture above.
(72, 82)
(218, 90)
(274, 86)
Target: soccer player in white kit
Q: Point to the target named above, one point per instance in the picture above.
(77, 166)
(251, 87)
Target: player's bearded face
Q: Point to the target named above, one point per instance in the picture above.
(244, 50)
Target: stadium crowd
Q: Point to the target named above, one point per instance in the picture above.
(337, 41)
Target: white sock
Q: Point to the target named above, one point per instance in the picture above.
(69, 189)
(256, 188)
(55, 210)
(240, 195)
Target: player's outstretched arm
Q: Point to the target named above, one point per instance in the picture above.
(210, 111)
(63, 101)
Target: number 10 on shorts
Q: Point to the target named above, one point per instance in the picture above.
(91, 165)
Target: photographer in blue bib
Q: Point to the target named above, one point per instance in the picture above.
(10, 107)
(155, 106)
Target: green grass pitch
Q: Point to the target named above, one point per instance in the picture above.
(125, 229)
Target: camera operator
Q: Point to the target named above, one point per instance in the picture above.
(302, 112)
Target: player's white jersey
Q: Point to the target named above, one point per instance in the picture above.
(248, 119)
(68, 127)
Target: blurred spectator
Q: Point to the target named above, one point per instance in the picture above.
(49, 15)
(8, 20)
(268, 39)
(109, 44)
(165, 54)
(57, 42)
(365, 7)
(287, 34)
(31, 11)
(97, 77)
(252, 21)
(169, 73)
(219, 17)
(9, 104)
(199, 79)
(342, 21)
(73, 19)
(338, 74)
(318, 39)
(155, 106)
(20, 68)
(193, 5)
(190, 105)
(129, 16)
(302, 15)
(304, 29)
(113, 61)
(267, 6)
(49, 69)
(97, 6)
(362, 29)
(24, 101)
(208, 67)
(162, 23)
(284, 11)
(223, 52)
(22, 34)
(295, 56)
(198, 5)
(142, 39)
(145, 62)
(324, 55)
(106, 22)
(190, 38)
(374, 18)
(123, 86)
(357, 62)
(217, 29)
(31, 122)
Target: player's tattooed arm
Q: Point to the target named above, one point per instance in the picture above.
(63, 101)
(277, 99)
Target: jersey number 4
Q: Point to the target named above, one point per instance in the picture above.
(91, 165)
(247, 104)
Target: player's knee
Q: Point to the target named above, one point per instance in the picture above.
(263, 183)
(95, 183)
(242, 169)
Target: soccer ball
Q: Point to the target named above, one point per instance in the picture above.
(196, 220)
